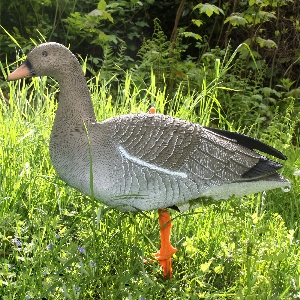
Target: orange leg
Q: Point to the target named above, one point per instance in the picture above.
(166, 250)
(164, 256)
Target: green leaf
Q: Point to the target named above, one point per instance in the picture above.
(208, 9)
(193, 35)
(13, 39)
(95, 12)
(142, 24)
(101, 5)
(267, 91)
(266, 15)
(236, 20)
(108, 16)
(266, 43)
(112, 38)
(197, 22)
(219, 269)
(205, 267)
(294, 93)
(103, 37)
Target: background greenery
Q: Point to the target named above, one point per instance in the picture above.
(230, 64)
(174, 38)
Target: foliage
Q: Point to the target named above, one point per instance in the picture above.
(266, 26)
(115, 36)
(85, 25)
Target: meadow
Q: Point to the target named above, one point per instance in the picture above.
(56, 243)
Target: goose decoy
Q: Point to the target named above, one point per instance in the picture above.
(145, 161)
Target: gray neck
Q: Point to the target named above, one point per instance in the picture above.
(75, 104)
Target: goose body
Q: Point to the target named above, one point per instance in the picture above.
(144, 161)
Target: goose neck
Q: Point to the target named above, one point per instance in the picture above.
(75, 104)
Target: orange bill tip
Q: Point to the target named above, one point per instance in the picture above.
(21, 72)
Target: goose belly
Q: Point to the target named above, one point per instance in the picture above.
(136, 187)
(121, 183)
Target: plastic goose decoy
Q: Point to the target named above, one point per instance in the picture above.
(145, 161)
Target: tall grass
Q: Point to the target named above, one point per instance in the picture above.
(58, 244)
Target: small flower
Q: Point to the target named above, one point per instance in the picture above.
(16, 242)
(57, 236)
(49, 247)
(81, 250)
(45, 273)
(28, 297)
(93, 264)
(76, 288)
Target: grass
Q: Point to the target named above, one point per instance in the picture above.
(59, 244)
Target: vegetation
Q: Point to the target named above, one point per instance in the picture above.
(270, 27)
(179, 41)
(228, 64)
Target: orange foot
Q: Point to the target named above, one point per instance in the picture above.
(166, 250)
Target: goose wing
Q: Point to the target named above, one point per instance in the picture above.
(177, 147)
(249, 142)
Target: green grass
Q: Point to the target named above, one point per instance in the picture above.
(56, 243)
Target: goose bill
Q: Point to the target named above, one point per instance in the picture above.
(21, 72)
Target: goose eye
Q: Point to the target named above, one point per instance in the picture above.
(44, 53)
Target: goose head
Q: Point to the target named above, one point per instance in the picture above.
(55, 60)
(48, 59)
